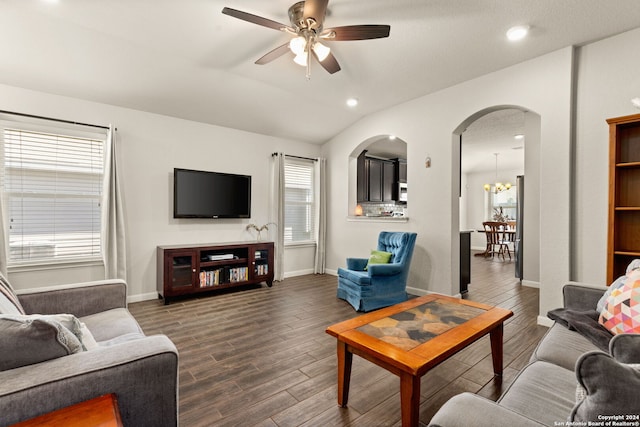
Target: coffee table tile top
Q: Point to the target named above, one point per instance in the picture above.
(411, 328)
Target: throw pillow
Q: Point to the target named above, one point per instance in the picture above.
(9, 303)
(379, 257)
(621, 313)
(26, 340)
(618, 283)
(607, 384)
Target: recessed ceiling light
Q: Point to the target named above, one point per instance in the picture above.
(518, 32)
(518, 136)
(352, 102)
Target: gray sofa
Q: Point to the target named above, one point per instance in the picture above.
(546, 391)
(141, 370)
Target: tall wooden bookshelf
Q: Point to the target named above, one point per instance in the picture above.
(624, 194)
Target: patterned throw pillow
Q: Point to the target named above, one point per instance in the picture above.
(9, 303)
(621, 313)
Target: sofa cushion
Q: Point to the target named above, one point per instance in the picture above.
(610, 387)
(543, 392)
(111, 324)
(26, 340)
(9, 303)
(621, 313)
(562, 347)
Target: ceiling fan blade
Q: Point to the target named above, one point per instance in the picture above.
(330, 63)
(254, 19)
(274, 54)
(315, 9)
(356, 32)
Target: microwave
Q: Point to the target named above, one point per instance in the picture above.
(402, 192)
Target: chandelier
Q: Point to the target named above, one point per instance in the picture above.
(498, 186)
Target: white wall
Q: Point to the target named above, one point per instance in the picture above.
(608, 76)
(150, 147)
(542, 85)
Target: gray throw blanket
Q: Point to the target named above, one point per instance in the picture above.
(585, 323)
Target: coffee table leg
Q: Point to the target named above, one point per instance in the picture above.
(410, 400)
(496, 336)
(345, 358)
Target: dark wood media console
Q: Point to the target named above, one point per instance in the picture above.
(190, 270)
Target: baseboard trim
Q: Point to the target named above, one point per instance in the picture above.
(142, 297)
(545, 321)
(531, 284)
(298, 273)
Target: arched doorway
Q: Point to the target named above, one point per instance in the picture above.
(491, 135)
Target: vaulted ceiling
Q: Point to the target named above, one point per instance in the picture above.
(188, 60)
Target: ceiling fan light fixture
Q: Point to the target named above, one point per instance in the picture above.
(301, 59)
(298, 45)
(321, 51)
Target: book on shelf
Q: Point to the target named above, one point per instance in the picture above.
(262, 269)
(209, 278)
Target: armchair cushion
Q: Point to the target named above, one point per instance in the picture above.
(378, 257)
(385, 269)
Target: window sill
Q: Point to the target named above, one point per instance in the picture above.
(53, 265)
(300, 244)
(377, 219)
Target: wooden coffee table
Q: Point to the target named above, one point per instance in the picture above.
(99, 412)
(412, 337)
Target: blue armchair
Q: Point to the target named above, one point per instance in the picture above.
(380, 285)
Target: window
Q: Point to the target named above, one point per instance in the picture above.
(299, 201)
(51, 184)
(502, 205)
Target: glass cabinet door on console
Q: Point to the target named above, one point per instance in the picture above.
(262, 262)
(181, 268)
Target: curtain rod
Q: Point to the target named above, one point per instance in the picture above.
(31, 116)
(296, 157)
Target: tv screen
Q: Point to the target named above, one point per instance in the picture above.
(201, 194)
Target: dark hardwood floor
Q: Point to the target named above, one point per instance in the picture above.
(261, 357)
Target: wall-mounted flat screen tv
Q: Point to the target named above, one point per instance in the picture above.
(202, 194)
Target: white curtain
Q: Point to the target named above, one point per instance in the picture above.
(321, 215)
(276, 214)
(4, 242)
(113, 229)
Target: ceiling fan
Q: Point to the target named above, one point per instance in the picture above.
(307, 19)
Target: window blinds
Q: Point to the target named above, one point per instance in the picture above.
(52, 187)
(299, 200)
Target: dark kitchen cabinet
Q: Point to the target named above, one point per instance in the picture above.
(375, 179)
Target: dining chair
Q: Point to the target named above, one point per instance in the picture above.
(496, 242)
